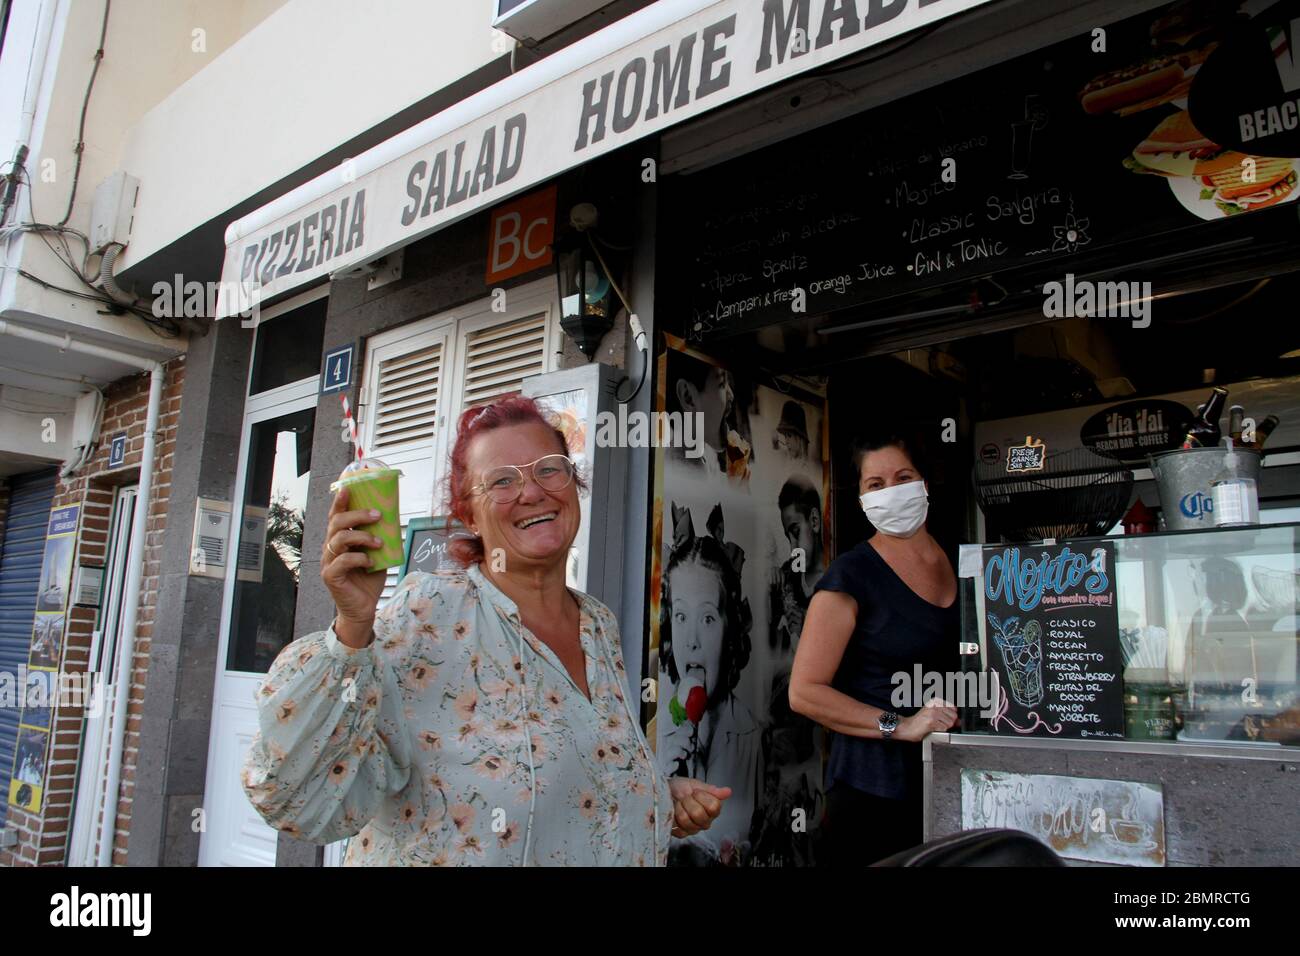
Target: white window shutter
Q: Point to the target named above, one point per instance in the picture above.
(406, 399)
(498, 359)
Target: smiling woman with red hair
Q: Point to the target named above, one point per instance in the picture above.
(483, 715)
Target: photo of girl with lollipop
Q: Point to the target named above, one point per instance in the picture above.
(704, 648)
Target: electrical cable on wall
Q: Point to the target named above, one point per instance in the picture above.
(80, 148)
(638, 335)
(80, 380)
(161, 325)
(11, 182)
(33, 414)
(111, 295)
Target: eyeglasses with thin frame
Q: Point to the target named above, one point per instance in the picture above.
(505, 483)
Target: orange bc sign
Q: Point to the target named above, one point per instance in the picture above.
(520, 236)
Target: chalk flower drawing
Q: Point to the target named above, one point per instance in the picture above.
(1070, 236)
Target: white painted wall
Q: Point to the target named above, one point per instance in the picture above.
(150, 51)
(26, 418)
(207, 102)
(312, 75)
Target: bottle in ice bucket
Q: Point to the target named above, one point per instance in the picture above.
(1236, 499)
(373, 485)
(1204, 431)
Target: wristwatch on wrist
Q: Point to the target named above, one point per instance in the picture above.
(888, 723)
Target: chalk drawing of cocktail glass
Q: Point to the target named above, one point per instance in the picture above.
(1022, 135)
(1022, 656)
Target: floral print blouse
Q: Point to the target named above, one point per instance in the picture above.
(418, 745)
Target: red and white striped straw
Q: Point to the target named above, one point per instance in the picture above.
(352, 425)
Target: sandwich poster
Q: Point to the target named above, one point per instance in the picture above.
(1211, 143)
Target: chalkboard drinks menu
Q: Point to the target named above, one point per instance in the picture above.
(1052, 162)
(1053, 640)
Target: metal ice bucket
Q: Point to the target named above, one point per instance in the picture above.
(1183, 478)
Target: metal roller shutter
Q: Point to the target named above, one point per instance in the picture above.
(30, 499)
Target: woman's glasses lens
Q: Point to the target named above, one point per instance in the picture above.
(505, 484)
(554, 472)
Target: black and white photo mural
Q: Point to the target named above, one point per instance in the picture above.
(740, 539)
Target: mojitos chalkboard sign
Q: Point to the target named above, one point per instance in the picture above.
(1053, 640)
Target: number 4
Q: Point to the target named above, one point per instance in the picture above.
(338, 369)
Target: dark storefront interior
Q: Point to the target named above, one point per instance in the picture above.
(844, 262)
(923, 299)
(1228, 335)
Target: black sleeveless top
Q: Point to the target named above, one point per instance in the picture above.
(896, 630)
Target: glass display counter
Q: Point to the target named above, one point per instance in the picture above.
(1207, 772)
(1209, 629)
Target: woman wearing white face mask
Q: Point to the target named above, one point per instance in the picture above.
(880, 610)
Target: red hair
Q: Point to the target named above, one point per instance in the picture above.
(467, 549)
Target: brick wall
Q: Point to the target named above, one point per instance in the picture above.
(44, 840)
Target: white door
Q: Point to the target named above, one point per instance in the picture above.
(101, 668)
(257, 618)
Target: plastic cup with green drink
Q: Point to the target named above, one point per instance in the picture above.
(372, 485)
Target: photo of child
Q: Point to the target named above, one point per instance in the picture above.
(704, 648)
(739, 543)
(723, 402)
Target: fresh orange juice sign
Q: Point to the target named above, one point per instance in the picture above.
(520, 236)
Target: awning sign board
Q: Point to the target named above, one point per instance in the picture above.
(673, 68)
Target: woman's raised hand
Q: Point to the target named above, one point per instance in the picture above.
(346, 573)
